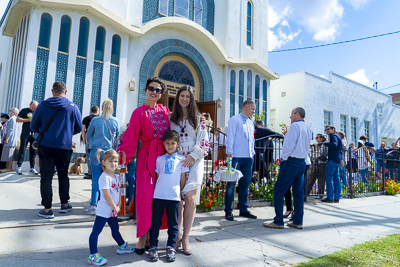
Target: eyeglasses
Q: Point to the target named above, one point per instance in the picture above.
(317, 137)
(153, 89)
(327, 129)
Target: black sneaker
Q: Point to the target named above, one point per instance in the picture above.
(46, 214)
(327, 200)
(336, 201)
(229, 216)
(248, 214)
(65, 208)
(170, 254)
(153, 254)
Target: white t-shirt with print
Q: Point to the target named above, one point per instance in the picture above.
(108, 182)
(168, 185)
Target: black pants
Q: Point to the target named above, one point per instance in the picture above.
(172, 208)
(25, 139)
(50, 158)
(3, 164)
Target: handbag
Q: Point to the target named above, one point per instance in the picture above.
(113, 141)
(36, 144)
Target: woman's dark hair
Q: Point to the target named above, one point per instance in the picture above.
(193, 112)
(156, 80)
(322, 137)
(171, 135)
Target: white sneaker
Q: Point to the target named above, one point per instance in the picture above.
(90, 211)
(19, 170)
(33, 171)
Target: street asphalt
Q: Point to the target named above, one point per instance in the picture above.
(29, 240)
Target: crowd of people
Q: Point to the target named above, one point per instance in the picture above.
(164, 153)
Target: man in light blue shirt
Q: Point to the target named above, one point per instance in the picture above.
(240, 147)
(296, 146)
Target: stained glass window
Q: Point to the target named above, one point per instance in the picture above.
(177, 72)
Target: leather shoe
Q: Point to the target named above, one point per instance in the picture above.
(273, 225)
(336, 201)
(295, 225)
(248, 214)
(327, 200)
(229, 216)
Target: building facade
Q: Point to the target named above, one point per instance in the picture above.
(104, 49)
(351, 107)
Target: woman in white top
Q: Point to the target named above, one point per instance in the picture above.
(9, 140)
(363, 160)
(185, 119)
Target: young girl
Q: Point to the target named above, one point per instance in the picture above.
(107, 208)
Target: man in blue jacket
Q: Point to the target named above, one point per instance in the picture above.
(335, 158)
(55, 148)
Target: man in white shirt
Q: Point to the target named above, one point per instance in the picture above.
(296, 146)
(240, 147)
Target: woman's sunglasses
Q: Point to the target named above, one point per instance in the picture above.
(153, 89)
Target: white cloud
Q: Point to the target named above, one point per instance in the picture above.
(360, 76)
(276, 40)
(358, 4)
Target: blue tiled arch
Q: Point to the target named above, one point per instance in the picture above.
(176, 47)
(150, 12)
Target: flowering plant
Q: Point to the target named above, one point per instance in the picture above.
(392, 188)
(211, 195)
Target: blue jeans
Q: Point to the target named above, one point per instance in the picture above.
(98, 226)
(364, 175)
(291, 173)
(343, 177)
(96, 172)
(333, 189)
(130, 181)
(379, 165)
(245, 165)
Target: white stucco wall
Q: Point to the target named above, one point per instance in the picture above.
(341, 96)
(5, 60)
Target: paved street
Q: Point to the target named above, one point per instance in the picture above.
(28, 240)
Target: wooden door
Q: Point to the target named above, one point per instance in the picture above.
(210, 107)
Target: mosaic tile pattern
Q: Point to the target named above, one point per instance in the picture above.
(79, 84)
(96, 84)
(113, 86)
(62, 67)
(39, 85)
(150, 12)
(180, 48)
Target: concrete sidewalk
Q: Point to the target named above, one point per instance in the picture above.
(28, 240)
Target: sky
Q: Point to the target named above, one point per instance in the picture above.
(302, 23)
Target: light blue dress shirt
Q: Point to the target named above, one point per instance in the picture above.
(240, 138)
(297, 141)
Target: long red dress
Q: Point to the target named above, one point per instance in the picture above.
(147, 125)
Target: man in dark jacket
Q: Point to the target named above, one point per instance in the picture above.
(335, 157)
(55, 148)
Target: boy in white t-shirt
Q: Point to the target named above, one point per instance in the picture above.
(171, 178)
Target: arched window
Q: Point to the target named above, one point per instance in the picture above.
(177, 72)
(115, 49)
(163, 7)
(232, 94)
(249, 24)
(241, 89)
(198, 11)
(265, 99)
(181, 8)
(45, 30)
(83, 37)
(257, 94)
(65, 32)
(249, 85)
(99, 50)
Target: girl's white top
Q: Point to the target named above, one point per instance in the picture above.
(108, 182)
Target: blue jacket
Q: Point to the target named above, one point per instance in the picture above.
(335, 146)
(98, 134)
(67, 123)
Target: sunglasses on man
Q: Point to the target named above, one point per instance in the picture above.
(155, 90)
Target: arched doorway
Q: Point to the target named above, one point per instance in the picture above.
(176, 71)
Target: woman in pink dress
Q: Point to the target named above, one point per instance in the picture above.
(148, 124)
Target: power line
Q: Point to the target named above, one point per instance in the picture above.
(389, 87)
(349, 41)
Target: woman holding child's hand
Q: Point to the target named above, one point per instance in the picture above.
(186, 120)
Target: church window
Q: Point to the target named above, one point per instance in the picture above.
(249, 24)
(100, 38)
(163, 7)
(257, 94)
(65, 33)
(249, 85)
(177, 72)
(83, 37)
(232, 93)
(241, 88)
(198, 11)
(115, 49)
(264, 86)
(182, 8)
(45, 30)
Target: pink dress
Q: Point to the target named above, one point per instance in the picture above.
(147, 125)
